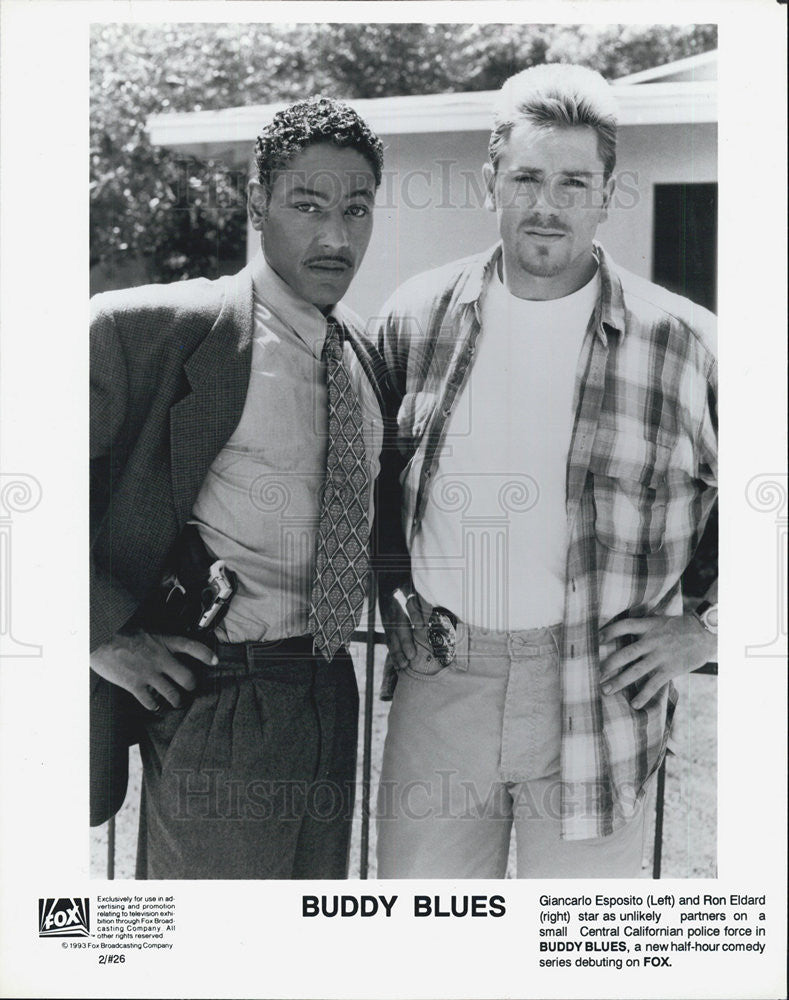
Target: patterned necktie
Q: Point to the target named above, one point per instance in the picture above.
(338, 590)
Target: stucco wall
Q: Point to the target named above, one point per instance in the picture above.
(430, 206)
(657, 154)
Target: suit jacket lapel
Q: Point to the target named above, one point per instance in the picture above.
(218, 373)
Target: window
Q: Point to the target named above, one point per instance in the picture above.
(685, 240)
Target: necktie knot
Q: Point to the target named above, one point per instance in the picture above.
(332, 344)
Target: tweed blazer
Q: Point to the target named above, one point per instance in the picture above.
(170, 366)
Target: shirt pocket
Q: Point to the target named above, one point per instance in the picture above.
(630, 483)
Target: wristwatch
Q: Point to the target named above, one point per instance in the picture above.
(707, 614)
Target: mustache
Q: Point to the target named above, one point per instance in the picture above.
(547, 222)
(334, 258)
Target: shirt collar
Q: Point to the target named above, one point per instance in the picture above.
(612, 298)
(478, 274)
(612, 302)
(305, 319)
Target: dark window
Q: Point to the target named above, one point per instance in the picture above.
(685, 234)
(685, 261)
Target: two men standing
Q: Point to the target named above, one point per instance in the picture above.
(537, 378)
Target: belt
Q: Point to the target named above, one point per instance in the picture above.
(299, 645)
(519, 643)
(292, 658)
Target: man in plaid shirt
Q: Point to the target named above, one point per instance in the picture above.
(556, 440)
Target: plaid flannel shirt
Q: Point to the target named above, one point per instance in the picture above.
(641, 480)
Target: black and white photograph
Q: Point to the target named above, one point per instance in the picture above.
(383, 501)
(538, 548)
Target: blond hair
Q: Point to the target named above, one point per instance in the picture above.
(557, 95)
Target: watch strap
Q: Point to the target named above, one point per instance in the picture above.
(700, 611)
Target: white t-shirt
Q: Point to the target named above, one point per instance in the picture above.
(493, 543)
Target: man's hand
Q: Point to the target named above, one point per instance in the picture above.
(400, 613)
(144, 665)
(667, 647)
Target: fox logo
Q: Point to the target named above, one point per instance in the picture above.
(63, 917)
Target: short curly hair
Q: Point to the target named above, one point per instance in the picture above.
(307, 123)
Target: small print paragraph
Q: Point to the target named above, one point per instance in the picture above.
(652, 931)
(142, 922)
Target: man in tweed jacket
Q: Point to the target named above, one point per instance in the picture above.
(558, 420)
(209, 407)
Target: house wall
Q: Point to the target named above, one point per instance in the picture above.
(649, 155)
(430, 208)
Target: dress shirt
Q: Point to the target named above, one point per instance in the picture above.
(259, 505)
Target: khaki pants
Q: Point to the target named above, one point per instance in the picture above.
(473, 751)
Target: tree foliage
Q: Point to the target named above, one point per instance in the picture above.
(187, 218)
(182, 218)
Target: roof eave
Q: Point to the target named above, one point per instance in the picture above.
(220, 134)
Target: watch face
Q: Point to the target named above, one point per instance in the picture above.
(709, 618)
